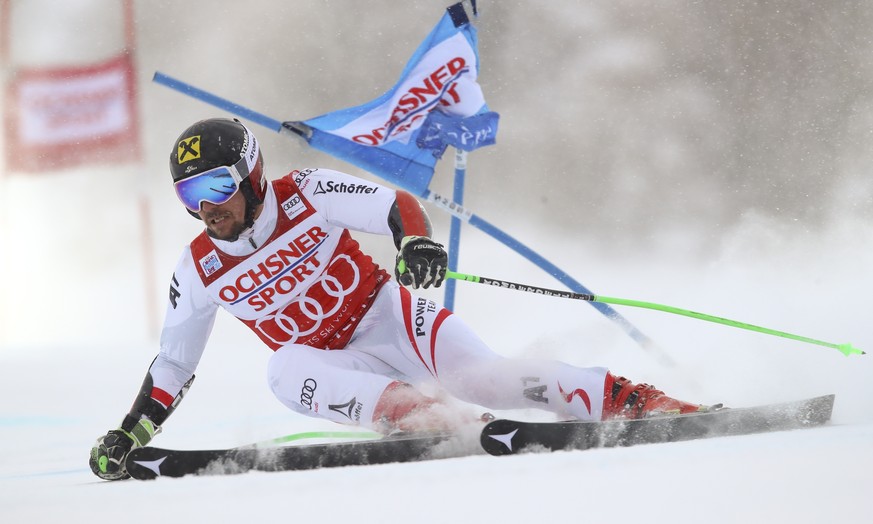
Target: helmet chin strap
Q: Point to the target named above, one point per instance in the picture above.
(252, 203)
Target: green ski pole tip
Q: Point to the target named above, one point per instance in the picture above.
(847, 349)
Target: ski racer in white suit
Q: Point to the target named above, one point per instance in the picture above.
(350, 343)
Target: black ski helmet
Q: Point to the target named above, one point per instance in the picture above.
(217, 142)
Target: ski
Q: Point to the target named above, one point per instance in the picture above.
(499, 437)
(506, 437)
(149, 462)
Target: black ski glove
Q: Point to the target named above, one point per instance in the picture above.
(110, 450)
(421, 262)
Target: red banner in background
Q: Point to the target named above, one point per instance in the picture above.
(58, 118)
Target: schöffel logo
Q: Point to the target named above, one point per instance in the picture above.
(210, 263)
(334, 187)
(351, 409)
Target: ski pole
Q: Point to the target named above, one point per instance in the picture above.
(310, 435)
(846, 349)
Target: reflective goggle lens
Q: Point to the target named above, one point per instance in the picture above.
(215, 186)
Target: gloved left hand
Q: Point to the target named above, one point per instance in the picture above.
(421, 262)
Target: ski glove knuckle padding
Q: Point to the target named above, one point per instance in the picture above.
(425, 262)
(110, 451)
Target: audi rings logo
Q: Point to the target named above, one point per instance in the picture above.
(308, 392)
(304, 315)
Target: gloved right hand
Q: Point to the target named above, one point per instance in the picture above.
(110, 451)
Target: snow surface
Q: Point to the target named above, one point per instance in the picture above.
(79, 296)
(60, 397)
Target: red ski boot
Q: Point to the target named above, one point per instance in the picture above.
(403, 409)
(623, 399)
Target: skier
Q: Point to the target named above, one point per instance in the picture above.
(350, 343)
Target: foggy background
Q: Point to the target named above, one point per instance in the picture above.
(708, 155)
(713, 156)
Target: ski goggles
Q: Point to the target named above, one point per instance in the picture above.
(215, 186)
(220, 184)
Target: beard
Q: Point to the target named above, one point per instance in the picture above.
(232, 229)
(232, 236)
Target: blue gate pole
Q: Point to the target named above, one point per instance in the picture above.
(455, 227)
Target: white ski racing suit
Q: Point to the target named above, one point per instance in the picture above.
(343, 331)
